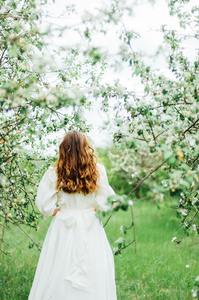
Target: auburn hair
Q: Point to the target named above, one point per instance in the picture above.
(76, 166)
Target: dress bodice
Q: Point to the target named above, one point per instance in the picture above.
(76, 201)
(48, 196)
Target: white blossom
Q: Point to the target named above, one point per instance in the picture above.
(120, 240)
(194, 200)
(133, 175)
(174, 239)
(115, 250)
(114, 205)
(121, 229)
(194, 228)
(194, 293)
(187, 266)
(192, 142)
(183, 212)
(130, 202)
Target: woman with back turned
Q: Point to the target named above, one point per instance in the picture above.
(76, 261)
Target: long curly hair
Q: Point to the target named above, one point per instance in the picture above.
(76, 166)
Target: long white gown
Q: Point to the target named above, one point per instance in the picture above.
(76, 261)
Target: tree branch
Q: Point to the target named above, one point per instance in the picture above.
(141, 182)
(193, 244)
(150, 125)
(178, 242)
(2, 55)
(107, 221)
(36, 244)
(192, 125)
(124, 247)
(133, 224)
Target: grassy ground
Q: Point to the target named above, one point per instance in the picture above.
(156, 271)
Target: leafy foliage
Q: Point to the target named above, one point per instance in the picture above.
(156, 134)
(157, 137)
(30, 111)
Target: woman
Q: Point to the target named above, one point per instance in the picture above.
(76, 261)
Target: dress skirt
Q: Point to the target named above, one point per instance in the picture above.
(76, 261)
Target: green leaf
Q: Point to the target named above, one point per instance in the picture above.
(34, 16)
(137, 71)
(167, 154)
(172, 160)
(185, 166)
(40, 45)
(147, 69)
(140, 132)
(87, 33)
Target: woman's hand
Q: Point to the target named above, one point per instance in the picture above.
(55, 211)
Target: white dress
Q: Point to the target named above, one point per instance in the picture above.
(76, 261)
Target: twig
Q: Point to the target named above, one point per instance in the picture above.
(24, 189)
(14, 127)
(144, 138)
(133, 224)
(194, 216)
(178, 242)
(3, 54)
(193, 244)
(21, 17)
(151, 127)
(37, 245)
(189, 210)
(107, 221)
(193, 162)
(2, 236)
(124, 247)
(141, 182)
(193, 124)
(6, 253)
(161, 133)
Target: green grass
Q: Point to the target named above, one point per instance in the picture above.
(156, 271)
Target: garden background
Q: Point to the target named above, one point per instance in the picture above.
(135, 94)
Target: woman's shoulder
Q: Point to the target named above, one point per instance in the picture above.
(100, 166)
(102, 170)
(51, 173)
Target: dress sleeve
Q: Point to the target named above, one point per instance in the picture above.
(105, 190)
(47, 194)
